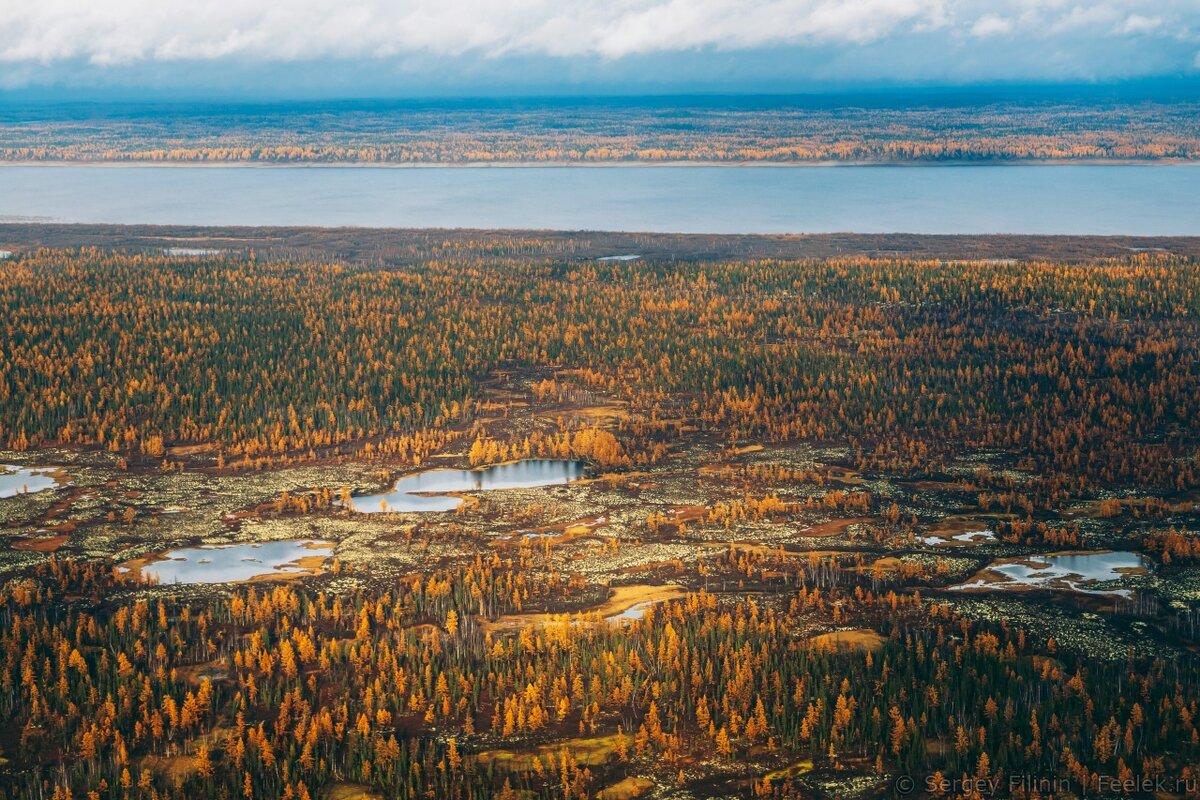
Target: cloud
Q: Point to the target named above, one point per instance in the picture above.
(123, 31)
(1075, 38)
(991, 25)
(1136, 23)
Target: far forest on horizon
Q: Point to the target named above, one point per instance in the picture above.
(687, 130)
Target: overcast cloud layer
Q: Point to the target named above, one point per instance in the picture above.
(686, 40)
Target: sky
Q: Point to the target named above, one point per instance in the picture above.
(405, 48)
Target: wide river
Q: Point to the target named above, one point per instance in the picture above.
(1064, 199)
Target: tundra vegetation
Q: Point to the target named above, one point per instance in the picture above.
(782, 573)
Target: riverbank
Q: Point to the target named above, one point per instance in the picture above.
(997, 162)
(397, 245)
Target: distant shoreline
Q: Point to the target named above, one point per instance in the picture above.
(1029, 162)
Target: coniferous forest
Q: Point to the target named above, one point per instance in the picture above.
(559, 526)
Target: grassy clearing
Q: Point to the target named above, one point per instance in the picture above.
(624, 598)
(46, 544)
(791, 771)
(862, 638)
(350, 791)
(626, 789)
(588, 752)
(621, 600)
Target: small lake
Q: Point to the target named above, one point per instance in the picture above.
(22, 480)
(191, 252)
(637, 611)
(239, 562)
(1071, 571)
(965, 538)
(426, 491)
(1134, 199)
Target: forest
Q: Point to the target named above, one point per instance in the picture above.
(840, 527)
(775, 131)
(1087, 371)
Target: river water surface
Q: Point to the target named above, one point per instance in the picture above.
(1130, 199)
